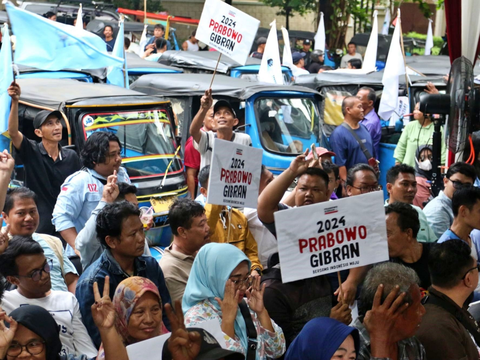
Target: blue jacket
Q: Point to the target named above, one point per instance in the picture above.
(106, 265)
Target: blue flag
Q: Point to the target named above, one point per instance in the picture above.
(118, 74)
(50, 45)
(5, 80)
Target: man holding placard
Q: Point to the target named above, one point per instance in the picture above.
(323, 253)
(225, 119)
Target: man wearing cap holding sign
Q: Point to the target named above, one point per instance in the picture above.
(47, 163)
(225, 119)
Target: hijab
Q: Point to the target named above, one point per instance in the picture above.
(427, 174)
(320, 338)
(126, 296)
(210, 271)
(39, 320)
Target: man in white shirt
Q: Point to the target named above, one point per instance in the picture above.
(351, 54)
(225, 119)
(266, 241)
(25, 266)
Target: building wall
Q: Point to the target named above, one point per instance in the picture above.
(266, 14)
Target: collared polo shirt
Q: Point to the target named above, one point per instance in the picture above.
(176, 268)
(44, 176)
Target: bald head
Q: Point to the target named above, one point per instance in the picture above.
(352, 108)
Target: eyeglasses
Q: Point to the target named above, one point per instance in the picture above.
(459, 185)
(247, 282)
(473, 268)
(368, 189)
(34, 347)
(36, 275)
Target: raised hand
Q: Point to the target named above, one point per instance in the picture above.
(255, 295)
(103, 312)
(110, 190)
(299, 165)
(229, 307)
(6, 334)
(4, 239)
(182, 344)
(6, 162)
(14, 91)
(380, 320)
(206, 101)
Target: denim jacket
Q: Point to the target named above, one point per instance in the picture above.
(106, 265)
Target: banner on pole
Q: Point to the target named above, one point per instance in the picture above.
(331, 236)
(235, 173)
(227, 30)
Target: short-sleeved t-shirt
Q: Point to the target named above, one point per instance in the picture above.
(205, 146)
(44, 177)
(191, 157)
(346, 148)
(420, 267)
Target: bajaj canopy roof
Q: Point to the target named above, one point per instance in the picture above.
(54, 93)
(196, 84)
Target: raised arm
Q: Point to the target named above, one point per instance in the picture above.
(15, 135)
(273, 193)
(197, 123)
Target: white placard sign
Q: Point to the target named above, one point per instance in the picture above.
(402, 109)
(331, 236)
(144, 349)
(227, 30)
(235, 173)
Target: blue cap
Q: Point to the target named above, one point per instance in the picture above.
(297, 56)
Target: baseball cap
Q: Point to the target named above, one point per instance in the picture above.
(43, 115)
(297, 56)
(223, 103)
(261, 40)
(307, 42)
(210, 349)
(320, 152)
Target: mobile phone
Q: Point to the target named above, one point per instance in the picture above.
(314, 151)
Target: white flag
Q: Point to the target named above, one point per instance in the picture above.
(143, 42)
(386, 23)
(429, 41)
(394, 68)
(287, 51)
(79, 23)
(470, 28)
(371, 53)
(320, 35)
(271, 68)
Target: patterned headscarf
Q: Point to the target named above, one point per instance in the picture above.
(128, 292)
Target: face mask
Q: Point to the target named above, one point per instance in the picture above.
(425, 165)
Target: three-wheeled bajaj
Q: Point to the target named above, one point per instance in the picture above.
(282, 120)
(144, 124)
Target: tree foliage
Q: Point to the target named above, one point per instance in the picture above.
(291, 7)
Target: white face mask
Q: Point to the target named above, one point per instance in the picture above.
(425, 165)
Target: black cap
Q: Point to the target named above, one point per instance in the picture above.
(210, 349)
(307, 42)
(43, 115)
(223, 103)
(261, 40)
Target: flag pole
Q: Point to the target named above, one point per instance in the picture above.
(215, 71)
(144, 11)
(399, 23)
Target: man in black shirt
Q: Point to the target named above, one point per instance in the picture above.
(47, 164)
(402, 229)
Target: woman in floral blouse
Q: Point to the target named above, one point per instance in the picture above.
(219, 281)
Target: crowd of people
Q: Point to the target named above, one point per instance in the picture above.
(79, 281)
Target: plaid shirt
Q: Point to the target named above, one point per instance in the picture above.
(408, 349)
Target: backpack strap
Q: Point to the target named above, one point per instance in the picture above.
(360, 143)
(251, 331)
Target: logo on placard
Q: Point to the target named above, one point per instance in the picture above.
(88, 121)
(331, 210)
(239, 152)
(231, 13)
